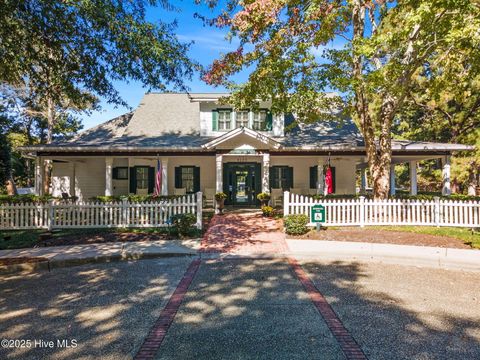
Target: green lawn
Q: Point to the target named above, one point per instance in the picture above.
(468, 236)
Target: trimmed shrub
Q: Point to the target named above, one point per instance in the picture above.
(296, 224)
(134, 198)
(28, 198)
(184, 223)
(268, 211)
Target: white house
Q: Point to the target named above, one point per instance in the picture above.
(205, 146)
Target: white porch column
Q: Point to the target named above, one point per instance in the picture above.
(320, 180)
(164, 190)
(413, 177)
(266, 173)
(108, 176)
(446, 190)
(39, 175)
(219, 172)
(363, 181)
(392, 180)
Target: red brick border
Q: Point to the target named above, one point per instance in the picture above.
(349, 346)
(156, 335)
(204, 243)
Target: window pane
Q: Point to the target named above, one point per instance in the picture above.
(122, 173)
(259, 119)
(242, 119)
(142, 178)
(187, 178)
(224, 119)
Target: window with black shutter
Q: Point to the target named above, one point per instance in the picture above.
(281, 177)
(188, 177)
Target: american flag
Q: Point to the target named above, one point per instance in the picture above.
(158, 180)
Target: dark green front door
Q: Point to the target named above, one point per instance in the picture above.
(241, 183)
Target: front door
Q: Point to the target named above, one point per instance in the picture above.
(242, 183)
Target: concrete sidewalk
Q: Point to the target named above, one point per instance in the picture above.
(446, 258)
(61, 256)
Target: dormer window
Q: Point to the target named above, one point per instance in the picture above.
(241, 118)
(224, 120)
(259, 120)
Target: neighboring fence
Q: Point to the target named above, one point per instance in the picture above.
(361, 212)
(58, 215)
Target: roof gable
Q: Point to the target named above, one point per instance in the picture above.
(242, 137)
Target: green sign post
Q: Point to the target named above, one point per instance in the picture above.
(317, 215)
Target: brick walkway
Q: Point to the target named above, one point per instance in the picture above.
(245, 233)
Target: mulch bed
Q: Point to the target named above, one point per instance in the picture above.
(99, 238)
(383, 237)
(21, 260)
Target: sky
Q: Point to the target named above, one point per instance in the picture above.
(209, 43)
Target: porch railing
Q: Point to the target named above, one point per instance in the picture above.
(361, 211)
(58, 215)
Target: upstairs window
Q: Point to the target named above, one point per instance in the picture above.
(224, 120)
(242, 118)
(259, 120)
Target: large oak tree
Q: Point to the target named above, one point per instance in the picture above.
(68, 53)
(368, 51)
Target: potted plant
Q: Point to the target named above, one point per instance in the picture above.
(220, 199)
(264, 198)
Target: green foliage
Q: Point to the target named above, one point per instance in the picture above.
(184, 223)
(268, 211)
(5, 160)
(17, 199)
(134, 198)
(77, 48)
(296, 224)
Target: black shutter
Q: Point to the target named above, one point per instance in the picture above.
(133, 180)
(334, 180)
(273, 177)
(289, 177)
(151, 179)
(196, 179)
(313, 177)
(115, 173)
(178, 177)
(269, 121)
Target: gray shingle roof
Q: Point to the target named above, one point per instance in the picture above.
(172, 121)
(325, 134)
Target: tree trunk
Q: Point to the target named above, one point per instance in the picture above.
(48, 163)
(378, 153)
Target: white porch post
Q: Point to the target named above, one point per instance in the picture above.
(108, 176)
(363, 181)
(164, 162)
(39, 175)
(446, 190)
(413, 177)
(392, 179)
(320, 180)
(219, 172)
(266, 173)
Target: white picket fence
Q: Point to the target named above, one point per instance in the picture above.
(361, 212)
(58, 215)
